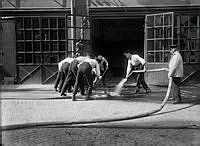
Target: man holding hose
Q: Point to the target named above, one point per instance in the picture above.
(135, 62)
(175, 72)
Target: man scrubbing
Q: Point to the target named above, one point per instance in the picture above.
(135, 62)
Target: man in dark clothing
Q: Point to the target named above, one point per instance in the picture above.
(103, 64)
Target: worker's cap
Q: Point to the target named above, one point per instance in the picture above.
(173, 46)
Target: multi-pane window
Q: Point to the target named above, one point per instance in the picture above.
(40, 40)
(187, 36)
(159, 36)
(162, 30)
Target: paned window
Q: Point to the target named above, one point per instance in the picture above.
(41, 40)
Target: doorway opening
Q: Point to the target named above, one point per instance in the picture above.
(111, 37)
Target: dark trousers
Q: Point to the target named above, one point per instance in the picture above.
(71, 76)
(57, 81)
(176, 88)
(84, 72)
(140, 79)
(103, 72)
(64, 72)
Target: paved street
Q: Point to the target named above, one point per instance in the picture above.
(35, 114)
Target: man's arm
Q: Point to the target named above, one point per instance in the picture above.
(173, 65)
(128, 68)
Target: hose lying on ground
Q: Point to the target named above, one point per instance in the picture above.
(99, 120)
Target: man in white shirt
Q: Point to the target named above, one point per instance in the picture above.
(85, 71)
(72, 73)
(175, 72)
(135, 62)
(63, 67)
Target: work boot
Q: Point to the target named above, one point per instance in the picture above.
(137, 90)
(63, 94)
(89, 98)
(73, 97)
(148, 90)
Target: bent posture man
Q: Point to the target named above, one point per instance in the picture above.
(85, 71)
(63, 67)
(72, 73)
(137, 63)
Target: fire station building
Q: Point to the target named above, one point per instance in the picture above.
(36, 34)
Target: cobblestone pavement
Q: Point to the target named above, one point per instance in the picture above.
(175, 125)
(101, 137)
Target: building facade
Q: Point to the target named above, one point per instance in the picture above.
(36, 34)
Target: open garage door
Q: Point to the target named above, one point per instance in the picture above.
(159, 36)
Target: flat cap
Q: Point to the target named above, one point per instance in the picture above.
(173, 46)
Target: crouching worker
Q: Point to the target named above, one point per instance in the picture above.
(63, 67)
(135, 62)
(85, 72)
(72, 73)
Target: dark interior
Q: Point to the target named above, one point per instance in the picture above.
(112, 37)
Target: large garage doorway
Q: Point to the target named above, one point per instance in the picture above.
(111, 37)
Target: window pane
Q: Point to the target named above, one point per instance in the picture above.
(45, 23)
(166, 56)
(61, 23)
(19, 23)
(168, 19)
(37, 58)
(150, 21)
(168, 32)
(185, 56)
(159, 45)
(20, 35)
(61, 34)
(20, 58)
(53, 34)
(45, 46)
(36, 46)
(62, 56)
(53, 23)
(28, 35)
(36, 35)
(150, 57)
(27, 22)
(159, 32)
(159, 57)
(46, 58)
(194, 45)
(167, 44)
(193, 21)
(28, 58)
(28, 46)
(45, 34)
(159, 20)
(150, 33)
(194, 32)
(20, 46)
(54, 58)
(62, 46)
(184, 20)
(54, 46)
(150, 45)
(183, 44)
(36, 23)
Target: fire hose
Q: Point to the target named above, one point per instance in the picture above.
(93, 121)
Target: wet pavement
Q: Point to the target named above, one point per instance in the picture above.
(36, 114)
